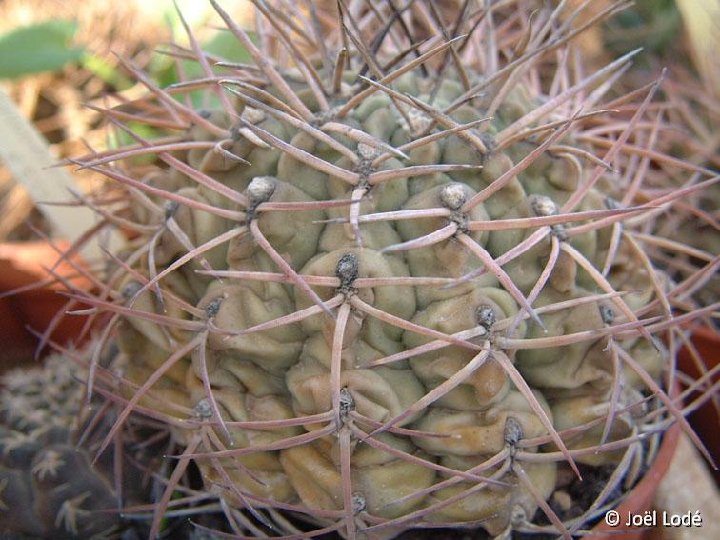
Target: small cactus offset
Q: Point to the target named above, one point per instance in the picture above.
(50, 485)
(390, 276)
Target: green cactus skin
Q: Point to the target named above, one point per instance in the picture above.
(377, 291)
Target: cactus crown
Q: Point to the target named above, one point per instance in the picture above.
(376, 283)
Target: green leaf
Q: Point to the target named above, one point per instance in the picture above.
(226, 45)
(106, 72)
(37, 48)
(119, 139)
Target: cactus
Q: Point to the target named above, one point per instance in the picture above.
(50, 485)
(686, 239)
(382, 283)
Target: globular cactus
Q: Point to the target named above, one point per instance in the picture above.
(50, 485)
(684, 238)
(383, 283)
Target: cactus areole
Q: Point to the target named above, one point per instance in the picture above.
(384, 278)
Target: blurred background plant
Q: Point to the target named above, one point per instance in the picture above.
(57, 57)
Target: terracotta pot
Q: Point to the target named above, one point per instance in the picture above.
(705, 420)
(640, 498)
(29, 302)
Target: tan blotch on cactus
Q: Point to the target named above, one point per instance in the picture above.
(382, 283)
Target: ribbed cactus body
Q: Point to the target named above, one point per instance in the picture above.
(391, 304)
